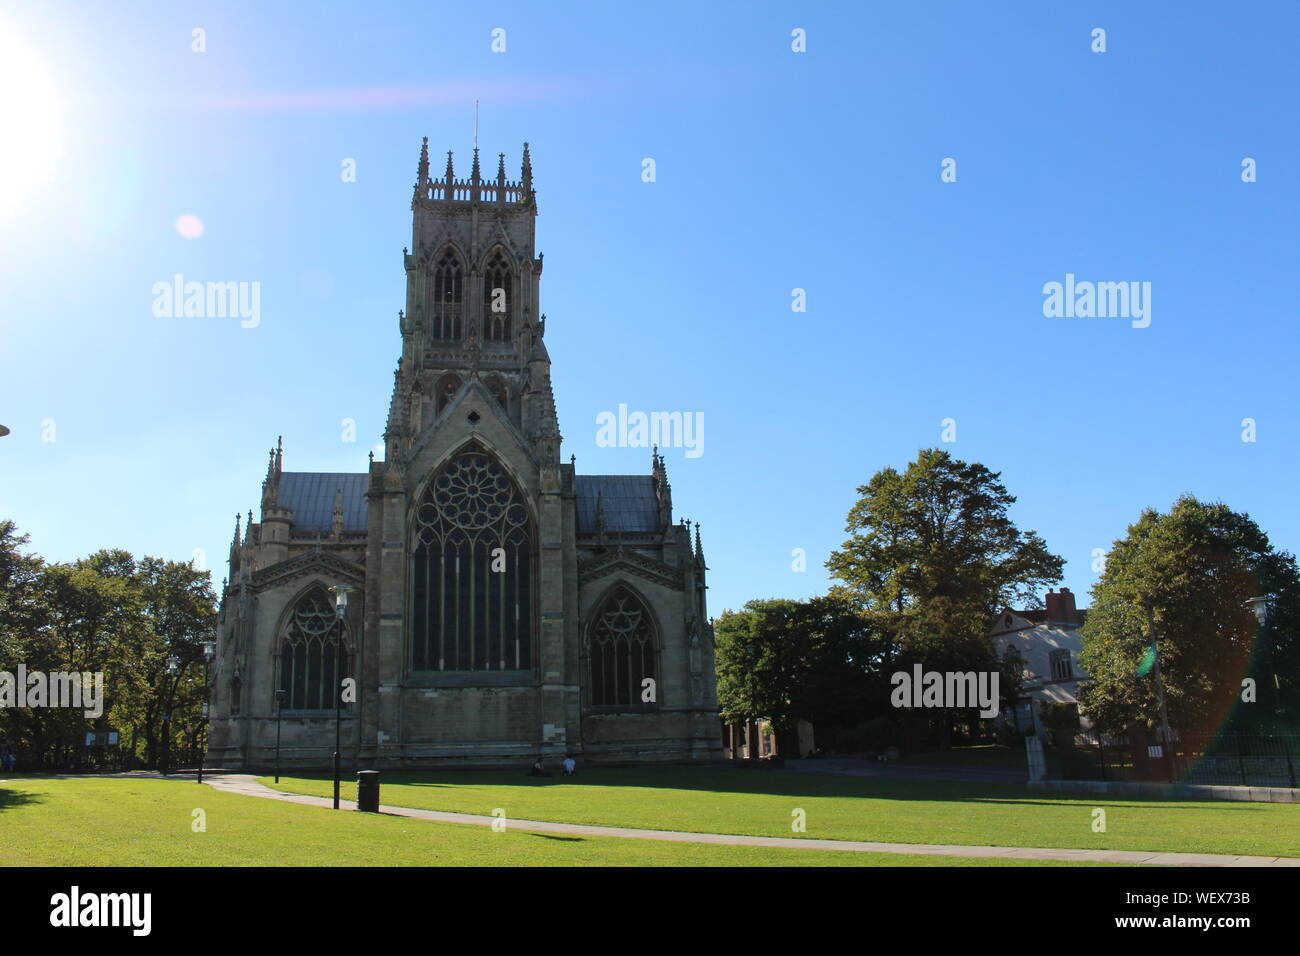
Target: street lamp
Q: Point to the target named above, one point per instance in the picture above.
(209, 652)
(167, 719)
(280, 696)
(1261, 606)
(340, 592)
(1167, 750)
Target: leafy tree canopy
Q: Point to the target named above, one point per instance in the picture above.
(1195, 567)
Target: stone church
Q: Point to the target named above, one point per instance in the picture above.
(503, 606)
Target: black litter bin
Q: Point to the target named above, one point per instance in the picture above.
(368, 791)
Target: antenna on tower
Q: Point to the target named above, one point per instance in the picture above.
(476, 124)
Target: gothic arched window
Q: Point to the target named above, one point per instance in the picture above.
(472, 578)
(621, 651)
(313, 655)
(496, 299)
(448, 298)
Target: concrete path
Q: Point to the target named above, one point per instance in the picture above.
(247, 785)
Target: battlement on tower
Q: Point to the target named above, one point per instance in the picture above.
(476, 189)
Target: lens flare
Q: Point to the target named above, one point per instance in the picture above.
(31, 122)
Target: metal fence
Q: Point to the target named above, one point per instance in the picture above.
(1229, 759)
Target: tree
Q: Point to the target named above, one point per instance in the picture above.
(158, 678)
(787, 660)
(104, 614)
(933, 557)
(1195, 567)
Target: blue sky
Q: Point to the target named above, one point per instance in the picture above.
(775, 170)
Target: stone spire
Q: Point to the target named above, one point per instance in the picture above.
(526, 174)
(451, 174)
(234, 547)
(663, 490)
(271, 484)
(422, 171)
(395, 430)
(501, 169)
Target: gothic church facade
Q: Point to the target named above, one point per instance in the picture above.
(503, 606)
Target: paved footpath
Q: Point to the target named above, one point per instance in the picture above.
(247, 785)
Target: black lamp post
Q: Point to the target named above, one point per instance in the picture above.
(1167, 744)
(1261, 606)
(209, 652)
(280, 695)
(340, 592)
(167, 718)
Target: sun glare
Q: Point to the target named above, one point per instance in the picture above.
(31, 133)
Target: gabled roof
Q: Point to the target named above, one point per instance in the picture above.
(630, 502)
(311, 496)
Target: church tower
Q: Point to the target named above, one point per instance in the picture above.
(472, 290)
(502, 606)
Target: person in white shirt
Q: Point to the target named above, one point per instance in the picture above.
(570, 766)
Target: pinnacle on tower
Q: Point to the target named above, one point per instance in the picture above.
(501, 169)
(665, 492)
(271, 484)
(526, 174)
(474, 172)
(451, 173)
(422, 171)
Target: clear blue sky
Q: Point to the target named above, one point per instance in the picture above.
(776, 171)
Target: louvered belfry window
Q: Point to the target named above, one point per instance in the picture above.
(472, 569)
(621, 651)
(496, 300)
(448, 298)
(314, 656)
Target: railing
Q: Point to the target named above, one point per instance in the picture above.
(462, 190)
(1230, 759)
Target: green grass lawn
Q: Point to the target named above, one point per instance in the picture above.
(147, 822)
(727, 800)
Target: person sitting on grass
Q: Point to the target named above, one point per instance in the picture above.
(538, 770)
(570, 767)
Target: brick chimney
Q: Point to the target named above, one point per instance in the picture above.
(1053, 606)
(1061, 609)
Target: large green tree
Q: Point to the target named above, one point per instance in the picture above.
(932, 558)
(933, 555)
(114, 615)
(1195, 567)
(787, 660)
